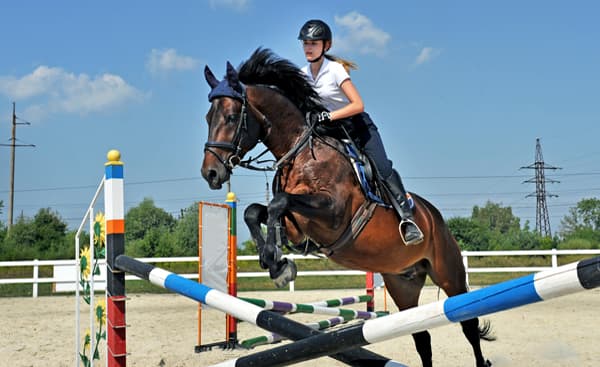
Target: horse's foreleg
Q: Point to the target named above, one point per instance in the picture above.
(282, 271)
(255, 215)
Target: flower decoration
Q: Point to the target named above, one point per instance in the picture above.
(85, 263)
(101, 312)
(99, 230)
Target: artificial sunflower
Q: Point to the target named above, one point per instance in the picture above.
(101, 311)
(85, 262)
(100, 230)
(87, 340)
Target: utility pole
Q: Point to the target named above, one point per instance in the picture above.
(542, 219)
(13, 144)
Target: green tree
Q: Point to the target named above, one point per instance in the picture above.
(584, 216)
(50, 230)
(43, 237)
(247, 247)
(186, 232)
(471, 235)
(580, 229)
(494, 227)
(495, 217)
(149, 230)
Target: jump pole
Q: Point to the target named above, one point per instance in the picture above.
(542, 286)
(309, 308)
(244, 311)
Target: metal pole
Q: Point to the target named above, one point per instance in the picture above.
(13, 142)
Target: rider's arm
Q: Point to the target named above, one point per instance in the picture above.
(355, 106)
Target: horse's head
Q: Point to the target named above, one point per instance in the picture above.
(231, 133)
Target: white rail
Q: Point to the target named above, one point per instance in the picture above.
(35, 280)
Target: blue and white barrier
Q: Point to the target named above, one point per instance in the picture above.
(529, 289)
(244, 311)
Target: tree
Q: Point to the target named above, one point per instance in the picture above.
(186, 232)
(43, 237)
(148, 230)
(494, 227)
(581, 227)
(585, 215)
(495, 217)
(49, 231)
(471, 235)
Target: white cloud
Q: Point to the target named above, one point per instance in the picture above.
(426, 54)
(358, 33)
(237, 5)
(56, 90)
(168, 60)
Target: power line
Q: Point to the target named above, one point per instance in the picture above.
(199, 178)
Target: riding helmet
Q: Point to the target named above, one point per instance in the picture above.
(315, 30)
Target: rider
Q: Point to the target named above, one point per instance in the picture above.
(329, 76)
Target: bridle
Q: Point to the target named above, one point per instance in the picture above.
(235, 146)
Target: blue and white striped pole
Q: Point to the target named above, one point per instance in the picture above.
(244, 311)
(537, 287)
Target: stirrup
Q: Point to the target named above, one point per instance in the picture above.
(417, 240)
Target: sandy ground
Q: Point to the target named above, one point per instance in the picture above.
(162, 332)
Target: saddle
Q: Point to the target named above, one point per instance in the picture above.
(371, 183)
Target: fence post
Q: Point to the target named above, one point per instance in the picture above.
(554, 258)
(36, 273)
(466, 264)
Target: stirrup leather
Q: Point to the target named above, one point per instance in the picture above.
(416, 241)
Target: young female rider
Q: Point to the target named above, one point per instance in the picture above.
(331, 80)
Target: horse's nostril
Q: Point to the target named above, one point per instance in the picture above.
(212, 174)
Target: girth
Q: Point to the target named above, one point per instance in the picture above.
(354, 228)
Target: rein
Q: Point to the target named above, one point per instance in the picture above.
(235, 146)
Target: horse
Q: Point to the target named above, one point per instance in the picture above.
(316, 195)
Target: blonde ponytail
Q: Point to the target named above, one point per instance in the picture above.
(347, 64)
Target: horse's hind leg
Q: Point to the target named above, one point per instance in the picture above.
(449, 274)
(405, 290)
(474, 334)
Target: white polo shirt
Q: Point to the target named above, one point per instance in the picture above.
(327, 84)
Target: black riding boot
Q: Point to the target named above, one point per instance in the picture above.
(409, 231)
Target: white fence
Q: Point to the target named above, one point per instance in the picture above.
(64, 270)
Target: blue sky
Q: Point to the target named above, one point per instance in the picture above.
(460, 92)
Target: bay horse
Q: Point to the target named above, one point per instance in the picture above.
(316, 195)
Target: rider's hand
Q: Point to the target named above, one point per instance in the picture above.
(323, 117)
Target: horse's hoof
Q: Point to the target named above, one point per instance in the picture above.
(284, 273)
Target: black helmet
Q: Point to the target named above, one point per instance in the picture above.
(314, 30)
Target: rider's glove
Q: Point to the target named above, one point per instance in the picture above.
(323, 117)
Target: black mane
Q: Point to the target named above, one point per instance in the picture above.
(265, 67)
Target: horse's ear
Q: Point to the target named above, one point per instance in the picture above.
(232, 78)
(210, 77)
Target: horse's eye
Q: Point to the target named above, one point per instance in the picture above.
(233, 118)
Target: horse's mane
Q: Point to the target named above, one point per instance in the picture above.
(265, 67)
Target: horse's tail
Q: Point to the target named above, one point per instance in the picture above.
(486, 332)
